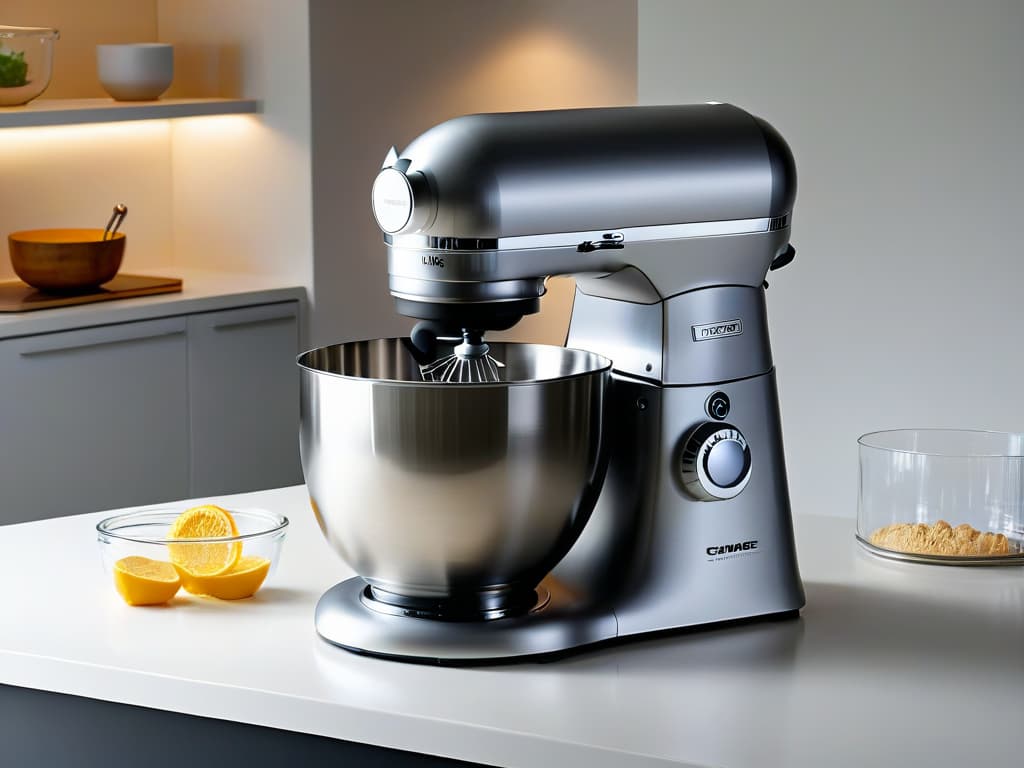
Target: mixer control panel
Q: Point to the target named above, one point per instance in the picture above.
(715, 461)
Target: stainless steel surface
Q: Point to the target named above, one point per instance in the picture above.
(647, 560)
(715, 462)
(656, 341)
(669, 218)
(343, 619)
(725, 356)
(463, 369)
(584, 170)
(470, 362)
(451, 490)
(120, 211)
(645, 548)
(444, 292)
(574, 239)
(487, 608)
(627, 333)
(670, 267)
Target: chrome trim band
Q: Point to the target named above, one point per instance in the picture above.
(626, 235)
(460, 292)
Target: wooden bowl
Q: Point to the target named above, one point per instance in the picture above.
(65, 260)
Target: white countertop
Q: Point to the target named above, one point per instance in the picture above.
(202, 291)
(889, 664)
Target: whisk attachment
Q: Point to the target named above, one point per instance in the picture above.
(470, 363)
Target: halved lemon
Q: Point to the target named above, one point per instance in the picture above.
(142, 581)
(242, 580)
(209, 558)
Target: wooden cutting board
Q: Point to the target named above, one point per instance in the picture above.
(16, 296)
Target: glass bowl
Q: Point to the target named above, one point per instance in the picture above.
(26, 63)
(144, 533)
(946, 496)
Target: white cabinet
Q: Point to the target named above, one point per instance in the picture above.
(245, 399)
(145, 412)
(93, 419)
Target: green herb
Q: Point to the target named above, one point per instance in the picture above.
(13, 69)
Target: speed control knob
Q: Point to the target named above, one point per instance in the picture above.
(715, 461)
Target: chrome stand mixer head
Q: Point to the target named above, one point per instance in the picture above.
(496, 513)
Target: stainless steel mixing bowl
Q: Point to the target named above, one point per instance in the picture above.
(460, 493)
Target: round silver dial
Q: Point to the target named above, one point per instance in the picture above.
(715, 461)
(401, 201)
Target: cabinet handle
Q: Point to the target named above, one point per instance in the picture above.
(286, 317)
(87, 344)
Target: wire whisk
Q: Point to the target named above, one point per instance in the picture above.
(470, 363)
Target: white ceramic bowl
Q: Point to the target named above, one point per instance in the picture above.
(135, 72)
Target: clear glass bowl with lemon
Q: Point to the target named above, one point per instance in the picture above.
(206, 550)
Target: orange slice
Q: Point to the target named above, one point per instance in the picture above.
(241, 581)
(142, 581)
(206, 559)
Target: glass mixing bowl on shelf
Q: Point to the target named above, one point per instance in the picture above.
(946, 496)
(26, 63)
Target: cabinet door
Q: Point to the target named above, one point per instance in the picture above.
(93, 419)
(244, 389)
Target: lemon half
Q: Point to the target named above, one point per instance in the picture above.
(207, 559)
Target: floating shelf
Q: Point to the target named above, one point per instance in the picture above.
(75, 111)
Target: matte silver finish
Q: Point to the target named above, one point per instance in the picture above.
(451, 491)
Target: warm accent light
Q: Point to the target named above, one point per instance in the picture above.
(218, 127)
(61, 139)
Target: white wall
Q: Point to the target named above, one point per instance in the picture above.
(242, 196)
(903, 307)
(384, 72)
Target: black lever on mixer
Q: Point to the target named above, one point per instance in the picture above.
(609, 240)
(422, 342)
(782, 260)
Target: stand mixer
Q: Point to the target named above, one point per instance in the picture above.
(669, 218)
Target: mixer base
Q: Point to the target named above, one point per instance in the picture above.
(343, 618)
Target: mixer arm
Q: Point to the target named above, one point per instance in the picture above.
(623, 264)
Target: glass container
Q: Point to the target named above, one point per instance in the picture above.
(942, 496)
(144, 533)
(26, 63)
